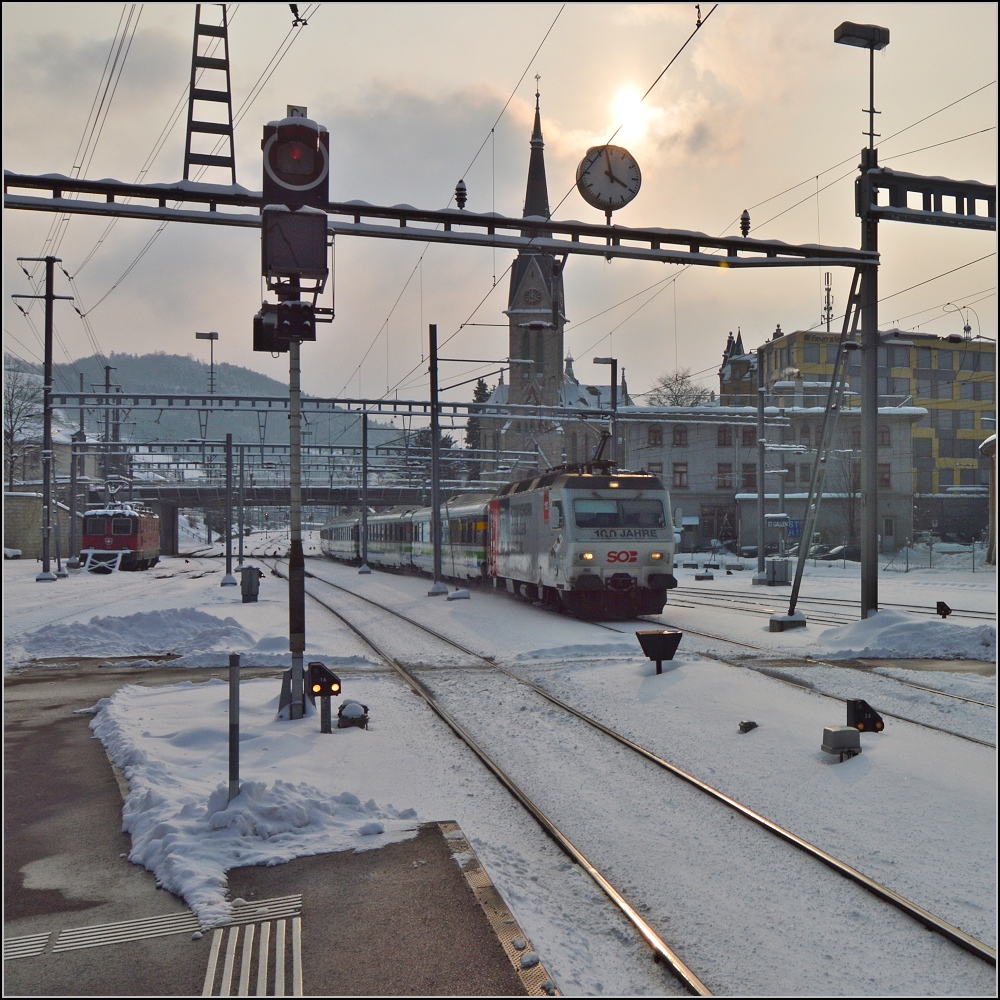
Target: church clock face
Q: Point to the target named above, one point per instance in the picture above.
(608, 177)
(532, 297)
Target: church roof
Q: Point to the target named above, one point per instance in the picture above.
(536, 195)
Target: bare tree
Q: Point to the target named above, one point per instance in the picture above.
(677, 389)
(22, 403)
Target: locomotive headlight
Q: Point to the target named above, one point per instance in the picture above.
(655, 555)
(586, 556)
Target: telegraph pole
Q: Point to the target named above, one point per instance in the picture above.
(46, 575)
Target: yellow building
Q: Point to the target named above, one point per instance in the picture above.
(954, 378)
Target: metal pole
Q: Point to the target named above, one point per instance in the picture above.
(229, 580)
(296, 560)
(234, 725)
(438, 587)
(73, 562)
(46, 575)
(614, 411)
(364, 494)
(761, 389)
(241, 511)
(869, 406)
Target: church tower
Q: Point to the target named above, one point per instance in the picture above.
(535, 303)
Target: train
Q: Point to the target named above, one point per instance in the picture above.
(120, 536)
(590, 541)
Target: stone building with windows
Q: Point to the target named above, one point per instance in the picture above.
(707, 457)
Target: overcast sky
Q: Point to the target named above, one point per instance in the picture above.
(761, 111)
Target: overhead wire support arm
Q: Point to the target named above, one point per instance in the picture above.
(203, 203)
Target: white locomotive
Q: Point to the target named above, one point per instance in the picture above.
(597, 543)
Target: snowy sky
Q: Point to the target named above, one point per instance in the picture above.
(760, 103)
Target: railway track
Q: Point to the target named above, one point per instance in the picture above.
(822, 610)
(775, 672)
(501, 684)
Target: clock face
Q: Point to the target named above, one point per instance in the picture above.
(608, 177)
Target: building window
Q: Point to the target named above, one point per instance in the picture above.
(656, 468)
(805, 438)
(966, 420)
(923, 447)
(749, 437)
(810, 354)
(946, 361)
(805, 473)
(680, 436)
(725, 436)
(888, 527)
(899, 357)
(724, 479)
(884, 437)
(655, 436)
(680, 475)
(749, 476)
(925, 481)
(923, 357)
(884, 476)
(946, 477)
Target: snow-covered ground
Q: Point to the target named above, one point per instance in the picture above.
(916, 810)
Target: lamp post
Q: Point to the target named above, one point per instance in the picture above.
(211, 337)
(614, 403)
(874, 38)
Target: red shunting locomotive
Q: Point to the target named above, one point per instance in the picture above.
(120, 536)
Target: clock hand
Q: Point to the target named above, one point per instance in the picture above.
(617, 180)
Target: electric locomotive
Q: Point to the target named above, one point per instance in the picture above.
(120, 535)
(595, 542)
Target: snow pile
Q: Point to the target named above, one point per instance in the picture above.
(181, 826)
(900, 635)
(177, 630)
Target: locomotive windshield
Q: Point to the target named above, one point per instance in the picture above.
(122, 526)
(619, 513)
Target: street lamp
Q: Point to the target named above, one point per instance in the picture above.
(212, 337)
(614, 402)
(872, 37)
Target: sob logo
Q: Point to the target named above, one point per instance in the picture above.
(623, 556)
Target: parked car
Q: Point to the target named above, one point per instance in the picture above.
(851, 552)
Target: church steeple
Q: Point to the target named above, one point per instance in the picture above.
(536, 195)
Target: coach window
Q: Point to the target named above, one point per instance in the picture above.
(681, 438)
(655, 436)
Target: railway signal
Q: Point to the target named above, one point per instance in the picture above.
(323, 684)
(864, 718)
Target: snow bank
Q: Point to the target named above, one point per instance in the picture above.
(900, 635)
(184, 832)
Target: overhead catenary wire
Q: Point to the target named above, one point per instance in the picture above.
(701, 22)
(426, 247)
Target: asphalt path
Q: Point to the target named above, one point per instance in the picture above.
(401, 920)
